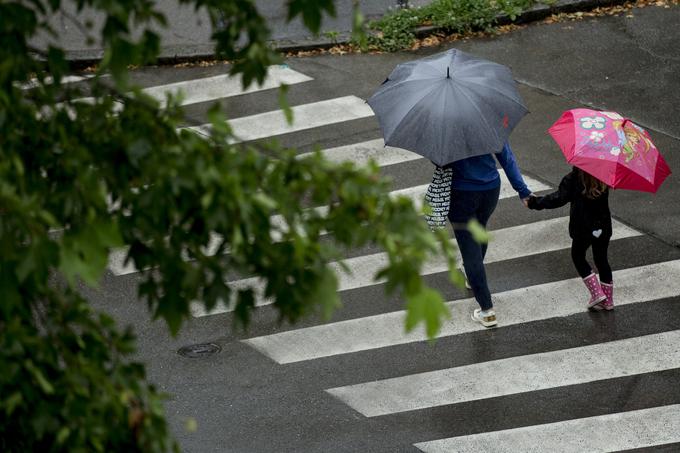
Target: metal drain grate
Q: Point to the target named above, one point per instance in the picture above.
(194, 351)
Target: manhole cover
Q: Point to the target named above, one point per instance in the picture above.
(199, 350)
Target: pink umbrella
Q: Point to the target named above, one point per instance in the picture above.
(610, 147)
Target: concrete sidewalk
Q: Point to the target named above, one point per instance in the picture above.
(188, 34)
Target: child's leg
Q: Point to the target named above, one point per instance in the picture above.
(578, 256)
(600, 256)
(600, 247)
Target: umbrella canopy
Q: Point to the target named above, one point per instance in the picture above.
(611, 148)
(448, 106)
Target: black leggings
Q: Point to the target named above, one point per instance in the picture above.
(578, 255)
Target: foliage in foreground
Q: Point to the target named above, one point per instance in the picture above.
(80, 178)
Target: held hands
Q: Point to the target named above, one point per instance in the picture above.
(525, 201)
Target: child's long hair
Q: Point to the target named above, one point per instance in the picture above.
(592, 187)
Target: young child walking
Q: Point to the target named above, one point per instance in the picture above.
(590, 225)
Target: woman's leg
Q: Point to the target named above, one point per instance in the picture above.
(578, 256)
(488, 201)
(600, 247)
(473, 262)
(467, 205)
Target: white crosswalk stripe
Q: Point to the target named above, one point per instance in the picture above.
(33, 83)
(306, 116)
(396, 394)
(514, 375)
(361, 153)
(223, 86)
(604, 433)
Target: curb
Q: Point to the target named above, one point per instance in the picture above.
(197, 52)
(533, 14)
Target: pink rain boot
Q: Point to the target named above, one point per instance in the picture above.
(596, 293)
(608, 290)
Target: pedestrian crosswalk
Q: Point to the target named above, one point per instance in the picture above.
(481, 381)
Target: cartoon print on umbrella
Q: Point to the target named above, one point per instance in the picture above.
(591, 137)
(630, 138)
(611, 148)
(595, 122)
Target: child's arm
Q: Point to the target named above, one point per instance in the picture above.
(556, 199)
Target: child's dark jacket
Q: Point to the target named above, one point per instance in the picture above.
(586, 215)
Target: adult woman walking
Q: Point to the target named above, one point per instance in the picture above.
(458, 111)
(475, 189)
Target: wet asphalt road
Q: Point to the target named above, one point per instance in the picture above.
(245, 402)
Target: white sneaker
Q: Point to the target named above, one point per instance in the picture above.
(487, 320)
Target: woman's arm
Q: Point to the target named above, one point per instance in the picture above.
(507, 160)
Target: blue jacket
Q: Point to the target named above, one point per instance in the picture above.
(480, 173)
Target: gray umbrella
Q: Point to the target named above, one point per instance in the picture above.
(448, 106)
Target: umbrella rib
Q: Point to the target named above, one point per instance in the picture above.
(400, 83)
(495, 90)
(432, 88)
(488, 126)
(428, 63)
(468, 64)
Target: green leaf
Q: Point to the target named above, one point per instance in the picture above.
(84, 253)
(457, 277)
(39, 377)
(358, 31)
(283, 103)
(63, 434)
(326, 293)
(265, 201)
(58, 65)
(218, 120)
(311, 12)
(191, 425)
(478, 232)
(426, 306)
(245, 302)
(12, 402)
